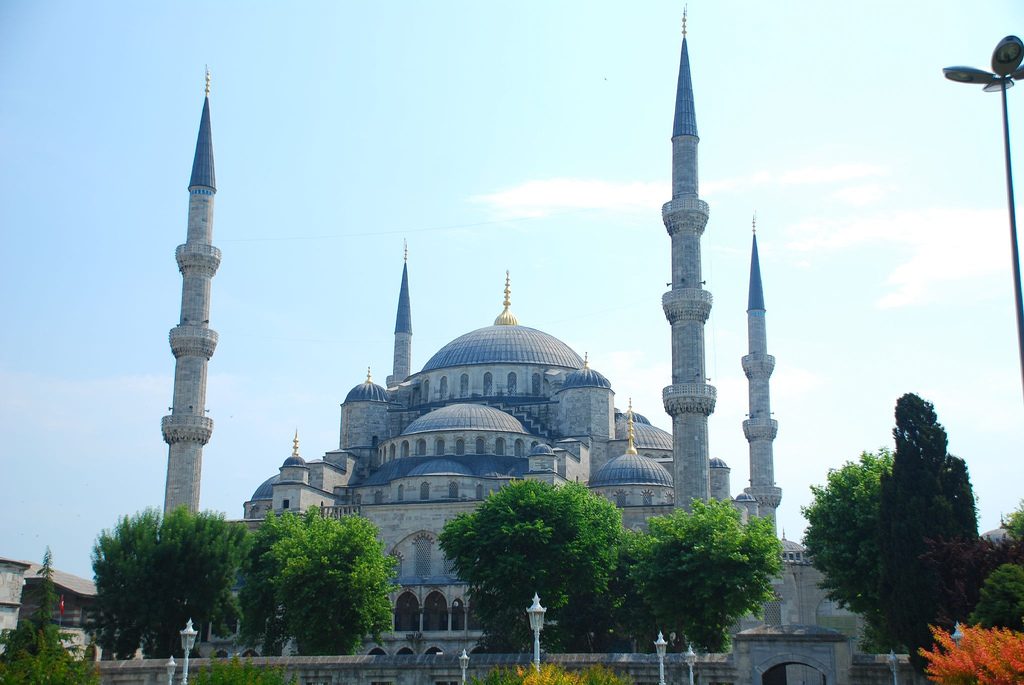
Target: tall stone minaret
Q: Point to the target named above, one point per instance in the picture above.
(760, 428)
(689, 400)
(403, 330)
(187, 428)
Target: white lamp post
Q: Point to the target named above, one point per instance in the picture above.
(660, 645)
(893, 663)
(536, 613)
(170, 670)
(957, 634)
(464, 664)
(690, 659)
(188, 640)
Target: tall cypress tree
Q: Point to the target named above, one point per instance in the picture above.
(928, 496)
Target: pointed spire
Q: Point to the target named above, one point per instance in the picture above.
(295, 444)
(755, 301)
(586, 360)
(403, 322)
(685, 123)
(630, 436)
(202, 164)
(507, 318)
(369, 377)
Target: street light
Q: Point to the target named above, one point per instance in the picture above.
(188, 640)
(893, 663)
(170, 670)
(690, 659)
(536, 614)
(660, 645)
(464, 664)
(957, 634)
(1006, 60)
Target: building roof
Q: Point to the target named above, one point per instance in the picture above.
(505, 344)
(438, 467)
(631, 469)
(479, 465)
(685, 123)
(646, 436)
(63, 580)
(202, 163)
(465, 417)
(266, 488)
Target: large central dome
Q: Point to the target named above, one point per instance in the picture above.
(504, 344)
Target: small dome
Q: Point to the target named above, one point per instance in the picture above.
(294, 460)
(631, 469)
(541, 449)
(717, 463)
(744, 497)
(651, 437)
(996, 535)
(790, 546)
(367, 391)
(465, 417)
(266, 488)
(437, 467)
(586, 378)
(637, 418)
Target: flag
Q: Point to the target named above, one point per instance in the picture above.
(62, 605)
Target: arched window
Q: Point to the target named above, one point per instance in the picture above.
(405, 448)
(407, 613)
(499, 446)
(519, 448)
(378, 497)
(435, 612)
(405, 650)
(377, 651)
(535, 384)
(648, 497)
(460, 446)
(424, 490)
(424, 551)
(480, 446)
(433, 650)
(463, 385)
(512, 382)
(401, 493)
(391, 452)
(443, 386)
(620, 498)
(453, 490)
(458, 615)
(488, 384)
(439, 446)
(479, 491)
(421, 447)
(426, 389)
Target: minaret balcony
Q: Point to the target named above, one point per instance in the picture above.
(186, 428)
(767, 496)
(687, 304)
(197, 257)
(759, 429)
(689, 398)
(758, 365)
(193, 341)
(684, 213)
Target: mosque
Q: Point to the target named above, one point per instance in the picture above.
(502, 402)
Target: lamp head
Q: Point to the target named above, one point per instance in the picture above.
(170, 666)
(1007, 56)
(690, 656)
(660, 644)
(969, 75)
(188, 637)
(536, 613)
(463, 660)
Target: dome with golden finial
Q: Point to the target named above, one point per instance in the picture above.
(368, 391)
(507, 318)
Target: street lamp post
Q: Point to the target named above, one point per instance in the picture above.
(1006, 60)
(536, 613)
(464, 664)
(188, 640)
(690, 659)
(893, 663)
(170, 670)
(660, 645)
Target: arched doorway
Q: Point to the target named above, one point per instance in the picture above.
(407, 613)
(435, 612)
(793, 673)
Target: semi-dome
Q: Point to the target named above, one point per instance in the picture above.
(367, 391)
(631, 469)
(436, 467)
(465, 417)
(585, 378)
(266, 488)
(505, 344)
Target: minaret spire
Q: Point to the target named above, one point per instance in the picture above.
(760, 428)
(187, 428)
(689, 400)
(507, 318)
(403, 328)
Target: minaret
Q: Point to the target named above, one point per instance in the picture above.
(187, 428)
(689, 400)
(760, 428)
(403, 330)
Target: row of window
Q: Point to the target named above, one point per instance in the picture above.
(511, 387)
(441, 448)
(435, 614)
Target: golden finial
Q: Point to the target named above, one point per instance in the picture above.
(753, 223)
(295, 444)
(630, 448)
(685, 7)
(369, 378)
(207, 80)
(507, 318)
(586, 360)
(405, 247)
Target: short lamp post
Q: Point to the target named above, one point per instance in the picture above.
(691, 658)
(1006, 63)
(188, 640)
(536, 614)
(170, 670)
(660, 645)
(463, 664)
(958, 634)
(893, 665)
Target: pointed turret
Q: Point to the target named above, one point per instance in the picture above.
(685, 123)
(202, 164)
(402, 366)
(755, 299)
(403, 321)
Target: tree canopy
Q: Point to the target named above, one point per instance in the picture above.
(530, 537)
(704, 569)
(1002, 599)
(155, 572)
(322, 582)
(987, 656)
(1015, 522)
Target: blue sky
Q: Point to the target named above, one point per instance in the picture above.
(528, 136)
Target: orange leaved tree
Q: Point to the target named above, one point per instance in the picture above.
(987, 656)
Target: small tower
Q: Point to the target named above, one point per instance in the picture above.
(760, 428)
(403, 330)
(187, 429)
(689, 400)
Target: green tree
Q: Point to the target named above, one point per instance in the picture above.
(705, 569)
(927, 497)
(560, 542)
(34, 652)
(323, 582)
(236, 672)
(154, 573)
(843, 543)
(1015, 522)
(1002, 599)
